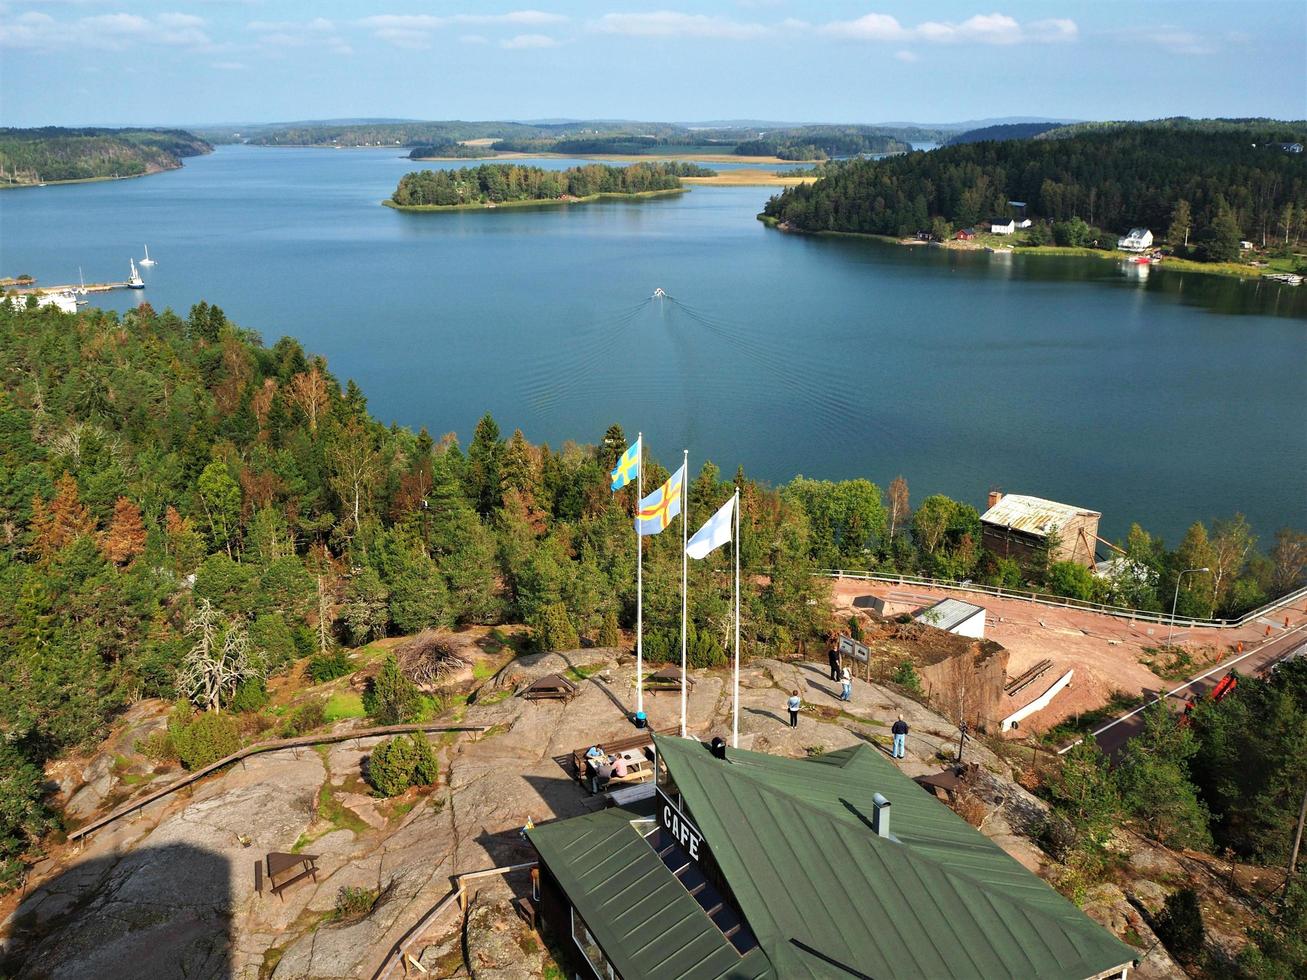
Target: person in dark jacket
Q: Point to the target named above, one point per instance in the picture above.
(833, 654)
(900, 730)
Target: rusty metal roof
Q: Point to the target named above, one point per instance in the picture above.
(1033, 515)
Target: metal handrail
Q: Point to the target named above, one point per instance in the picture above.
(1041, 598)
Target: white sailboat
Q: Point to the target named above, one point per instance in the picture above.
(80, 293)
(147, 261)
(134, 281)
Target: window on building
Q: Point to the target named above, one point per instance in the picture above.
(585, 942)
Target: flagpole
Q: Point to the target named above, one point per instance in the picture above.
(639, 578)
(735, 693)
(685, 567)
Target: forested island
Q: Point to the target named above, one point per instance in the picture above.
(52, 154)
(451, 151)
(591, 138)
(158, 471)
(495, 184)
(1202, 185)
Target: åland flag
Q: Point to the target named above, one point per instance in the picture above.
(657, 510)
(627, 467)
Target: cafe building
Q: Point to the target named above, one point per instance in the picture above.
(754, 866)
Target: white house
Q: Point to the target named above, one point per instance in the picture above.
(955, 616)
(1002, 226)
(1138, 240)
(1024, 223)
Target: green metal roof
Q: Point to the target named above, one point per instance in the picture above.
(827, 897)
(642, 916)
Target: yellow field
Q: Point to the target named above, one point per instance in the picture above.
(748, 177)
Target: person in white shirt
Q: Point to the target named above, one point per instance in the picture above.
(846, 681)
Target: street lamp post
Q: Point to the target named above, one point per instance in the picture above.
(1174, 602)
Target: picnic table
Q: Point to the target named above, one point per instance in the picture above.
(667, 679)
(636, 751)
(550, 687)
(282, 870)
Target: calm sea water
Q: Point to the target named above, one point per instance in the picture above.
(1164, 399)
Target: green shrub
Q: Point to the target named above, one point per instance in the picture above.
(555, 630)
(270, 634)
(303, 719)
(702, 649)
(354, 903)
(1180, 926)
(905, 676)
(391, 698)
(323, 667)
(401, 762)
(157, 747)
(207, 738)
(251, 694)
(609, 633)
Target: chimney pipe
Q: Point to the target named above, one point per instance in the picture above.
(995, 496)
(880, 815)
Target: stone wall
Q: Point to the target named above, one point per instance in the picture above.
(968, 684)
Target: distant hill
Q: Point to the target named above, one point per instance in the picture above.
(52, 153)
(1008, 131)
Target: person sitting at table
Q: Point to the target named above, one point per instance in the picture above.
(595, 752)
(619, 767)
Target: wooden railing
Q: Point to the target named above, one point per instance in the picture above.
(1041, 598)
(258, 747)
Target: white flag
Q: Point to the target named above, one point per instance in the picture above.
(714, 534)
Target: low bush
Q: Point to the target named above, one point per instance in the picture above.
(401, 762)
(905, 676)
(303, 719)
(327, 666)
(157, 747)
(354, 903)
(391, 698)
(251, 694)
(206, 738)
(1180, 925)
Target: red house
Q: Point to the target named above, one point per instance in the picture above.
(965, 235)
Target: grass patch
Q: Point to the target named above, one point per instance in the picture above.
(429, 708)
(346, 704)
(483, 670)
(1168, 662)
(337, 814)
(494, 697)
(494, 730)
(581, 673)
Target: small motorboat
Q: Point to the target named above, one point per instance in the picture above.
(659, 293)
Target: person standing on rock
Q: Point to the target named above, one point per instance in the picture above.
(846, 683)
(900, 731)
(833, 655)
(794, 704)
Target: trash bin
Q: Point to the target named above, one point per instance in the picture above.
(640, 719)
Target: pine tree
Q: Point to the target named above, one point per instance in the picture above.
(391, 698)
(125, 538)
(63, 521)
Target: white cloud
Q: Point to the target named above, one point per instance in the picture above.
(992, 28)
(474, 39)
(523, 41)
(907, 56)
(671, 23)
(110, 32)
(418, 30)
(315, 32)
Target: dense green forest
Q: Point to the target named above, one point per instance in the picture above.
(1193, 185)
(1006, 131)
(1230, 781)
(432, 151)
(159, 472)
(30, 156)
(497, 183)
(822, 142)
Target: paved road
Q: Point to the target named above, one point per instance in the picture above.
(1112, 736)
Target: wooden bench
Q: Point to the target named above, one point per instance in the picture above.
(667, 679)
(283, 870)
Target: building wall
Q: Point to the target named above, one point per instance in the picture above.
(1008, 543)
(973, 627)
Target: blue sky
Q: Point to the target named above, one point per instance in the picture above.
(136, 62)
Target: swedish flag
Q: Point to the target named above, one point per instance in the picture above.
(627, 467)
(657, 510)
